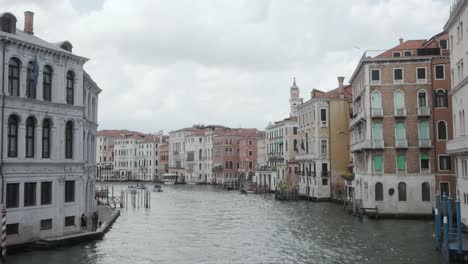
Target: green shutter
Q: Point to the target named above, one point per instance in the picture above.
(423, 130)
(377, 131)
(378, 163)
(401, 161)
(424, 157)
(400, 131)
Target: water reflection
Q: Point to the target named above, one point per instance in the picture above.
(203, 224)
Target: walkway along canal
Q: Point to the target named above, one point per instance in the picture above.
(205, 224)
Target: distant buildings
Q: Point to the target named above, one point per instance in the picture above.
(49, 132)
(458, 146)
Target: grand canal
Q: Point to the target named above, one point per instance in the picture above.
(204, 224)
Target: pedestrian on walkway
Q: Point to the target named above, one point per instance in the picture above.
(94, 219)
(83, 222)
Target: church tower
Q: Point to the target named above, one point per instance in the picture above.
(294, 99)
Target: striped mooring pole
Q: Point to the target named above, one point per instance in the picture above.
(3, 233)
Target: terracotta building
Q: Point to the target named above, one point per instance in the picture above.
(401, 122)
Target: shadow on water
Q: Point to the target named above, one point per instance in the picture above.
(204, 224)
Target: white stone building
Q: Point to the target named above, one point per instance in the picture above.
(458, 147)
(49, 115)
(147, 159)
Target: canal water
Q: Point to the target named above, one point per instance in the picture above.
(204, 224)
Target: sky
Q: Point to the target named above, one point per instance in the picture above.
(168, 64)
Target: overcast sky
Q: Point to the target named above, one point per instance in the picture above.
(167, 64)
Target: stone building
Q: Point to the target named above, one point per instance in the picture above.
(49, 115)
(458, 146)
(163, 163)
(324, 142)
(401, 120)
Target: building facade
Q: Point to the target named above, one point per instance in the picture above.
(49, 115)
(458, 146)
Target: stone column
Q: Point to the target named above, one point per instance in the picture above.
(56, 141)
(23, 73)
(21, 139)
(77, 154)
(39, 87)
(38, 140)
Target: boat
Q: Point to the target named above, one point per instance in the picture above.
(141, 186)
(157, 188)
(169, 178)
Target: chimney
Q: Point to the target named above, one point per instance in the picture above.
(29, 22)
(401, 41)
(341, 86)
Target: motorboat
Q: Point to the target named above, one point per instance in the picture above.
(141, 186)
(157, 188)
(169, 178)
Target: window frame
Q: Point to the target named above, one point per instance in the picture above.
(47, 83)
(404, 197)
(27, 194)
(70, 88)
(398, 81)
(449, 163)
(418, 80)
(376, 82)
(30, 137)
(13, 137)
(446, 130)
(443, 72)
(30, 87)
(17, 198)
(70, 191)
(14, 77)
(46, 133)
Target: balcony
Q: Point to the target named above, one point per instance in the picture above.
(325, 174)
(424, 111)
(309, 156)
(458, 145)
(401, 143)
(378, 144)
(358, 117)
(400, 112)
(323, 155)
(361, 145)
(377, 112)
(425, 143)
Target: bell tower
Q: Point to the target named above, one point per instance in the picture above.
(294, 99)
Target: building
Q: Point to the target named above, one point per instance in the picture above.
(458, 146)
(401, 117)
(163, 163)
(49, 112)
(324, 142)
(262, 154)
(147, 159)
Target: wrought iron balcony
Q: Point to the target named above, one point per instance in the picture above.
(400, 112)
(401, 143)
(424, 111)
(377, 112)
(425, 143)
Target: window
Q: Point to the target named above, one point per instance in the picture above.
(323, 146)
(69, 191)
(29, 194)
(250, 165)
(444, 188)
(30, 133)
(375, 76)
(422, 99)
(46, 224)
(398, 75)
(46, 193)
(70, 87)
(12, 195)
(443, 44)
(12, 229)
(426, 191)
(407, 53)
(69, 140)
(439, 72)
(400, 131)
(444, 163)
(399, 100)
(401, 162)
(442, 130)
(14, 77)
(378, 163)
(423, 130)
(47, 83)
(69, 220)
(13, 121)
(323, 115)
(441, 99)
(250, 153)
(250, 142)
(401, 191)
(31, 79)
(396, 54)
(46, 138)
(324, 181)
(379, 191)
(424, 162)
(421, 74)
(376, 100)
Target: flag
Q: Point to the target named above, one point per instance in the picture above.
(35, 72)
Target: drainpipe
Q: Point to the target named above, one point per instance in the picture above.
(2, 119)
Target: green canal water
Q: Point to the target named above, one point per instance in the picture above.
(204, 224)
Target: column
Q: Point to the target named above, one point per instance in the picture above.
(77, 154)
(23, 73)
(38, 140)
(21, 139)
(39, 87)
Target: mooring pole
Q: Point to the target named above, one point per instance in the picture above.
(444, 199)
(4, 236)
(447, 251)
(459, 227)
(438, 215)
(450, 212)
(437, 228)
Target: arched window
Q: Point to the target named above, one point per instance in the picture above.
(399, 98)
(441, 99)
(70, 87)
(401, 162)
(422, 99)
(400, 131)
(14, 76)
(426, 191)
(46, 125)
(30, 133)
(13, 121)
(423, 130)
(442, 130)
(47, 83)
(69, 140)
(200, 154)
(401, 191)
(376, 100)
(31, 79)
(377, 131)
(379, 191)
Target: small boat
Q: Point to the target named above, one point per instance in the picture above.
(141, 186)
(170, 178)
(157, 188)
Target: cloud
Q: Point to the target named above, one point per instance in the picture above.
(171, 64)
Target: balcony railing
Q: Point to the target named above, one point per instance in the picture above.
(400, 112)
(401, 143)
(424, 111)
(325, 174)
(378, 144)
(425, 143)
(376, 112)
